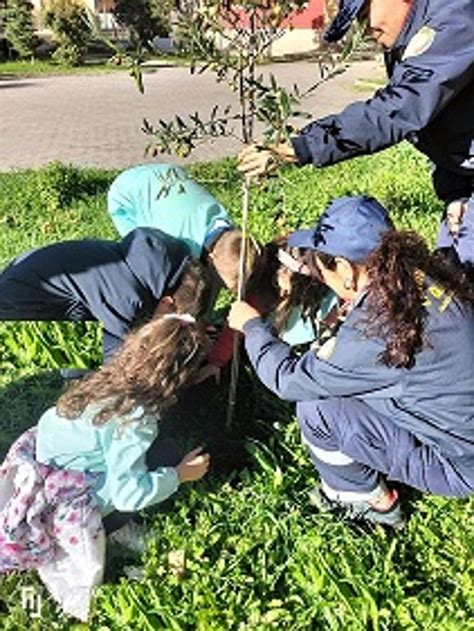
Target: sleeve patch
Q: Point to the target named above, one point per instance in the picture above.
(420, 42)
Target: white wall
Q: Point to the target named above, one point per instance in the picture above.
(293, 42)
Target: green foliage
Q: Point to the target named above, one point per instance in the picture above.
(180, 137)
(57, 185)
(19, 28)
(161, 11)
(69, 22)
(145, 18)
(240, 550)
(44, 205)
(50, 345)
(46, 67)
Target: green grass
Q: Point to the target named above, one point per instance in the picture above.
(10, 70)
(256, 557)
(43, 68)
(369, 85)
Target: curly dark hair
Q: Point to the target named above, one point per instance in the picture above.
(154, 362)
(306, 291)
(401, 271)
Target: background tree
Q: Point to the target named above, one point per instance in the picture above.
(19, 27)
(162, 11)
(68, 19)
(145, 19)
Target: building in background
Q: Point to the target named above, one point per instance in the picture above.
(102, 9)
(302, 36)
(302, 32)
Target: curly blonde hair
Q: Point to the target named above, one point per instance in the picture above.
(154, 362)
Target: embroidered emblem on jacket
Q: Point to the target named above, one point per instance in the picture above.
(420, 42)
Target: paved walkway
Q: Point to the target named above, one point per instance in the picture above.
(96, 120)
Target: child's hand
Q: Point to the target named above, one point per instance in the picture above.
(240, 313)
(193, 466)
(454, 215)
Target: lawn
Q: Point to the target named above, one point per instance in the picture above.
(20, 69)
(39, 68)
(252, 554)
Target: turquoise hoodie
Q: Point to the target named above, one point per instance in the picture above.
(163, 196)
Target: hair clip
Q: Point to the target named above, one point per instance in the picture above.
(187, 318)
(292, 264)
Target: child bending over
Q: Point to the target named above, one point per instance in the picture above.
(302, 309)
(165, 197)
(87, 456)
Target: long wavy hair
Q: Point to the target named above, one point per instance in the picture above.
(154, 362)
(306, 292)
(400, 271)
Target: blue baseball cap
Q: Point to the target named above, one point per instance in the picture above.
(350, 227)
(348, 10)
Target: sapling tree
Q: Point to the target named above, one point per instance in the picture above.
(230, 39)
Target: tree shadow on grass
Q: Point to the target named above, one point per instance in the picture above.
(198, 418)
(94, 182)
(23, 401)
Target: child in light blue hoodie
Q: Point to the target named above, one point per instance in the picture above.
(164, 196)
(93, 460)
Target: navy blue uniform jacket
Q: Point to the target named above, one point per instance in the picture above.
(117, 283)
(434, 399)
(429, 101)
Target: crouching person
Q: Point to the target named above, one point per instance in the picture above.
(393, 399)
(116, 283)
(96, 452)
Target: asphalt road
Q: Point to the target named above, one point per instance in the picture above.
(95, 120)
